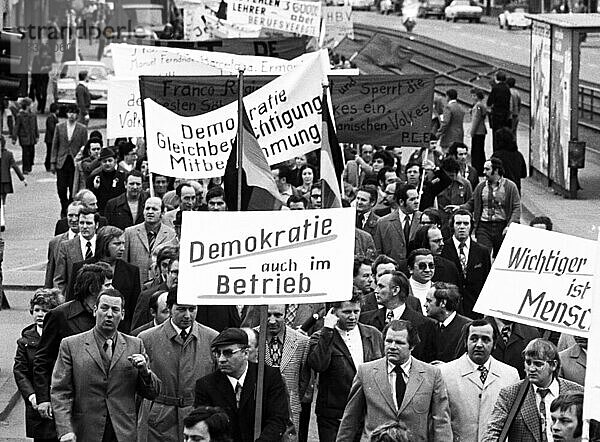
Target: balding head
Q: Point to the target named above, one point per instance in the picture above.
(153, 208)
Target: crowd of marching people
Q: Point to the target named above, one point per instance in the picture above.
(112, 355)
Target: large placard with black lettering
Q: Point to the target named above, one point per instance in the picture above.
(231, 258)
(542, 278)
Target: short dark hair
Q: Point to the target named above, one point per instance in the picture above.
(542, 220)
(497, 165)
(284, 171)
(565, 401)
(401, 192)
(453, 148)
(500, 76)
(383, 259)
(53, 107)
(172, 297)
(479, 93)
(382, 172)
(90, 279)
(452, 94)
(113, 293)
(167, 252)
(444, 291)
(434, 215)
(354, 300)
(135, 173)
(46, 298)
(388, 159)
(412, 164)
(510, 81)
(125, 147)
(421, 240)
(311, 167)
(215, 192)
(450, 165)
(412, 256)
(216, 420)
(460, 212)
(297, 199)
(104, 236)
(401, 324)
(181, 186)
(479, 323)
(82, 75)
(358, 263)
(371, 190)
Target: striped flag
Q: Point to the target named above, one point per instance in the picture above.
(332, 161)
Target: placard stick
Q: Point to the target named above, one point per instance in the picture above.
(240, 137)
(262, 344)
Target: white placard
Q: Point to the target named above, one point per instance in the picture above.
(337, 24)
(543, 279)
(124, 109)
(231, 258)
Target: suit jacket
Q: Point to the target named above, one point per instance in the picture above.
(137, 249)
(451, 129)
(62, 225)
(371, 223)
(85, 393)
(479, 265)
(118, 213)
(426, 350)
(26, 128)
(526, 426)
(141, 313)
(329, 356)
(125, 280)
(364, 246)
(178, 365)
(573, 362)
(220, 317)
(471, 401)
(446, 271)
(451, 337)
(216, 390)
(499, 100)
(51, 123)
(511, 352)
(63, 147)
(53, 246)
(424, 409)
(112, 185)
(146, 326)
(389, 236)
(69, 252)
(84, 99)
(65, 320)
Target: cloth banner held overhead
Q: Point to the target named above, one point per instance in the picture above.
(231, 258)
(293, 16)
(337, 24)
(543, 279)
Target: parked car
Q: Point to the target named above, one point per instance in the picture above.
(463, 10)
(63, 85)
(514, 18)
(428, 8)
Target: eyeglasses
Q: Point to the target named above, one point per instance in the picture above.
(227, 352)
(425, 265)
(316, 195)
(536, 362)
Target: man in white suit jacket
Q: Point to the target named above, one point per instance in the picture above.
(377, 396)
(472, 391)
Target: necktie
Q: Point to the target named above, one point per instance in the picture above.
(483, 373)
(442, 327)
(400, 385)
(238, 394)
(505, 332)
(406, 228)
(275, 350)
(108, 349)
(543, 392)
(463, 257)
(290, 315)
(183, 335)
(151, 239)
(389, 317)
(88, 250)
(359, 220)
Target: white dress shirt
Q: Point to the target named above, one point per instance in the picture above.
(353, 341)
(398, 311)
(392, 377)
(449, 319)
(83, 244)
(178, 330)
(233, 381)
(466, 248)
(552, 394)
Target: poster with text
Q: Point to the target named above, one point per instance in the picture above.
(540, 96)
(337, 24)
(543, 279)
(232, 258)
(124, 109)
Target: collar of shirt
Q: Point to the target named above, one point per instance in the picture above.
(405, 367)
(154, 229)
(71, 234)
(178, 330)
(403, 216)
(475, 366)
(398, 311)
(554, 390)
(467, 245)
(233, 381)
(347, 335)
(102, 339)
(83, 244)
(449, 319)
(39, 330)
(280, 336)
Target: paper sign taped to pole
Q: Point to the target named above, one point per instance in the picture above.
(231, 258)
(189, 147)
(124, 109)
(337, 24)
(543, 279)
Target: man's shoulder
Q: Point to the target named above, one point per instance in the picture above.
(368, 330)
(390, 217)
(117, 200)
(431, 371)
(566, 386)
(77, 338)
(134, 228)
(511, 390)
(368, 316)
(504, 370)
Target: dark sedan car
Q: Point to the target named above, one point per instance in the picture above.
(433, 8)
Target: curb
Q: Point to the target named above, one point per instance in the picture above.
(12, 402)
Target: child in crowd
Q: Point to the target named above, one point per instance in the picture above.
(7, 161)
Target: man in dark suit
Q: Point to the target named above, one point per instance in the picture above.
(394, 231)
(54, 244)
(88, 200)
(532, 422)
(499, 104)
(127, 209)
(233, 387)
(69, 136)
(366, 198)
(471, 259)
(108, 182)
(65, 320)
(442, 300)
(451, 129)
(398, 387)
(97, 377)
(430, 237)
(512, 340)
(391, 292)
(335, 352)
(385, 264)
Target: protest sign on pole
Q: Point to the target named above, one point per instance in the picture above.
(255, 258)
(293, 16)
(189, 147)
(543, 279)
(124, 109)
(193, 21)
(337, 24)
(591, 404)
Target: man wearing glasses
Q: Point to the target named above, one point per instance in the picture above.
(421, 267)
(233, 388)
(532, 422)
(179, 352)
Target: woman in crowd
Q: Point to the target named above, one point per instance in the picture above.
(308, 174)
(128, 156)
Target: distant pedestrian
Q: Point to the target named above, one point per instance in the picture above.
(499, 103)
(7, 161)
(451, 128)
(84, 98)
(514, 164)
(26, 131)
(36, 427)
(51, 122)
(515, 105)
(40, 70)
(478, 131)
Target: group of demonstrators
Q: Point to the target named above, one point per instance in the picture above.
(113, 355)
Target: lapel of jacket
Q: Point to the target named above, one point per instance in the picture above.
(415, 379)
(249, 385)
(161, 236)
(290, 343)
(141, 231)
(415, 223)
(119, 350)
(367, 343)
(531, 414)
(466, 371)
(75, 246)
(493, 374)
(396, 224)
(339, 343)
(380, 376)
(579, 356)
(92, 348)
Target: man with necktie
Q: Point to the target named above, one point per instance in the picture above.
(397, 387)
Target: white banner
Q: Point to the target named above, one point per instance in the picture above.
(591, 404)
(189, 147)
(543, 279)
(286, 113)
(294, 16)
(337, 24)
(231, 258)
(124, 109)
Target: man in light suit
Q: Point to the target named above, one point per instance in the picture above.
(77, 249)
(335, 352)
(97, 376)
(179, 352)
(394, 231)
(69, 136)
(55, 242)
(573, 361)
(474, 381)
(142, 238)
(451, 129)
(542, 365)
(397, 387)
